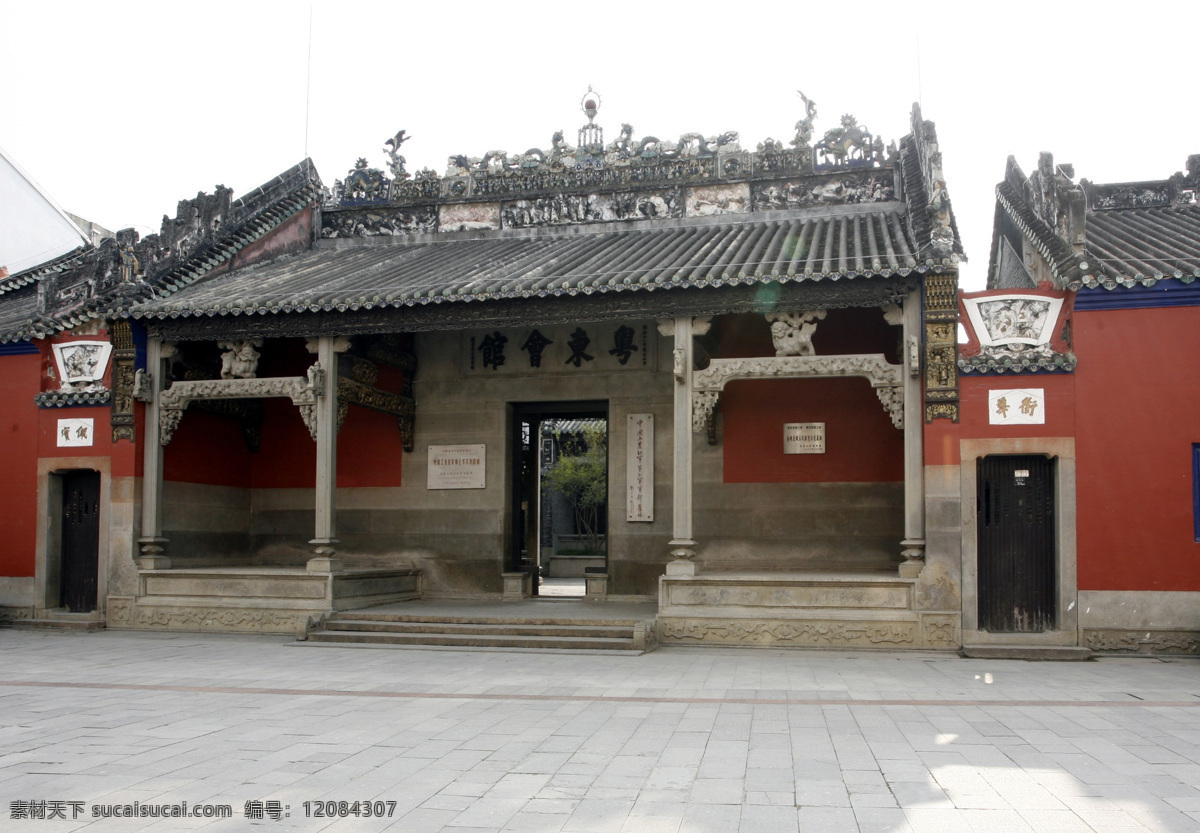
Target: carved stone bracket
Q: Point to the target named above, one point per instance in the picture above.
(704, 406)
(302, 390)
(403, 408)
(892, 399)
(885, 377)
(143, 386)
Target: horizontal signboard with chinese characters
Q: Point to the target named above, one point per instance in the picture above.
(75, 432)
(562, 348)
(1021, 406)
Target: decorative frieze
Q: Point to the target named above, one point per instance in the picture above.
(569, 209)
(884, 376)
(379, 222)
(941, 346)
(352, 391)
(847, 189)
(124, 358)
(1142, 642)
(823, 633)
(205, 619)
(302, 390)
(711, 200)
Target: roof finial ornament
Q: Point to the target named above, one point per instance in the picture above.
(591, 136)
(396, 161)
(804, 127)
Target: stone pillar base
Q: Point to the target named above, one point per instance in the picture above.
(324, 564)
(153, 554)
(595, 585)
(682, 552)
(914, 554)
(517, 586)
(153, 562)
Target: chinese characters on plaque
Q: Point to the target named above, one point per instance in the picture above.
(1017, 407)
(457, 466)
(605, 346)
(804, 438)
(75, 432)
(639, 467)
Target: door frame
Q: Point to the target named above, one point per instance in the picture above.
(520, 412)
(48, 552)
(1062, 450)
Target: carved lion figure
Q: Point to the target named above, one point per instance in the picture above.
(792, 332)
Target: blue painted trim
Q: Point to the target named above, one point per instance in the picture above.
(1196, 489)
(18, 348)
(1169, 292)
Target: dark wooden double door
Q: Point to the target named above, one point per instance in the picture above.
(79, 565)
(1017, 563)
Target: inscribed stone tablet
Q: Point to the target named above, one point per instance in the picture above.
(457, 466)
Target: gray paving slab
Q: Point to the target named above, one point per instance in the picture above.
(681, 739)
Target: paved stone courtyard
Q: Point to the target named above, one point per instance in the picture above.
(683, 740)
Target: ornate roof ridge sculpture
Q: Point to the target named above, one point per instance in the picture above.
(1103, 235)
(205, 234)
(624, 162)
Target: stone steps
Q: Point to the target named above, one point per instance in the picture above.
(1058, 653)
(61, 623)
(541, 632)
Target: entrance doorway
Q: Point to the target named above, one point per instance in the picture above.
(559, 494)
(79, 564)
(1016, 549)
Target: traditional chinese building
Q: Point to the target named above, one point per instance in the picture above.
(340, 390)
(1076, 453)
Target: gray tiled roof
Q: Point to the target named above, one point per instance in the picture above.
(1104, 235)
(246, 221)
(1140, 245)
(18, 313)
(830, 244)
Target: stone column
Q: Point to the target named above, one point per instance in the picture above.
(324, 541)
(682, 545)
(152, 543)
(914, 447)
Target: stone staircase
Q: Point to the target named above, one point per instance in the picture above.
(61, 620)
(515, 630)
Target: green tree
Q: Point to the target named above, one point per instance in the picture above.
(580, 475)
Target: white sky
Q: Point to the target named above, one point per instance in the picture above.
(118, 110)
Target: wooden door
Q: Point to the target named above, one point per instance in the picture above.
(1016, 531)
(80, 540)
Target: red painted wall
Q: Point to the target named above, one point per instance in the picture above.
(210, 449)
(20, 381)
(974, 413)
(1138, 394)
(861, 444)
